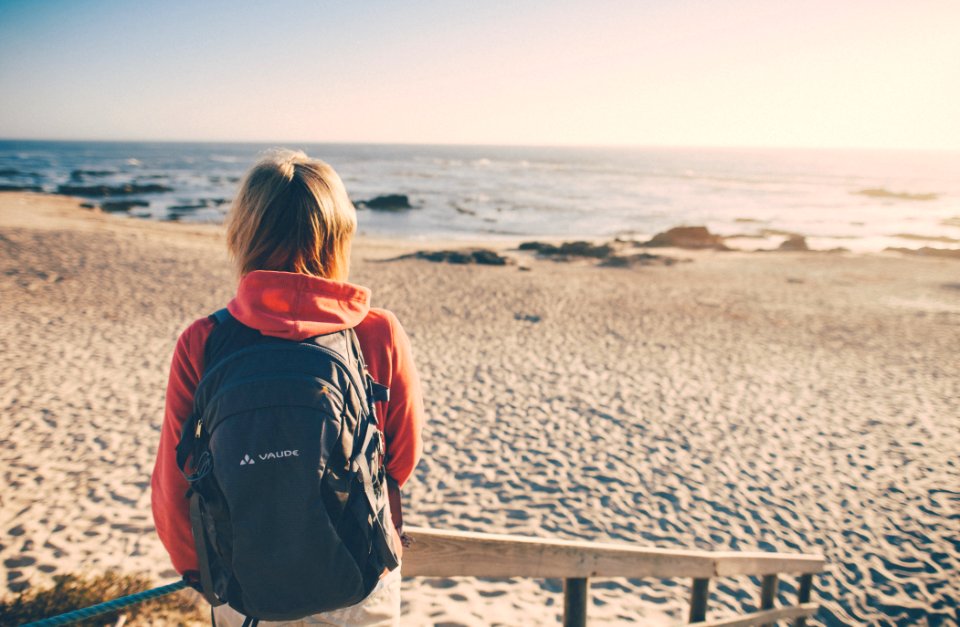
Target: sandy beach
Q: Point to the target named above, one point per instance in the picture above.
(789, 401)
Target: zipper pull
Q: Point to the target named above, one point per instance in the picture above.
(196, 432)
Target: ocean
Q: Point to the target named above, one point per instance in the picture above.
(858, 200)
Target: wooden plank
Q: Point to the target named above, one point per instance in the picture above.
(699, 595)
(575, 601)
(803, 596)
(762, 617)
(730, 564)
(436, 553)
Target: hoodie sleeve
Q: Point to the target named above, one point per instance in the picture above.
(171, 511)
(403, 420)
(390, 358)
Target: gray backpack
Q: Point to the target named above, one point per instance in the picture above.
(288, 497)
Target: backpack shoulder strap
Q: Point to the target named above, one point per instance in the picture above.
(376, 391)
(220, 316)
(188, 436)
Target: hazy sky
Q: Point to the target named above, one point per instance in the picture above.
(838, 73)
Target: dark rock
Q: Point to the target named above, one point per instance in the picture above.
(586, 249)
(126, 189)
(638, 259)
(570, 249)
(480, 256)
(687, 237)
(118, 206)
(20, 188)
(794, 243)
(185, 208)
(450, 256)
(77, 175)
(387, 202)
(87, 205)
(488, 258)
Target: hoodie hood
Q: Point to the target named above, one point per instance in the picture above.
(297, 306)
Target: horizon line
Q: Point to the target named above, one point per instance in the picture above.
(637, 146)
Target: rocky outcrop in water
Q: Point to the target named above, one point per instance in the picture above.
(78, 175)
(186, 208)
(794, 243)
(387, 202)
(119, 206)
(127, 189)
(20, 188)
(15, 172)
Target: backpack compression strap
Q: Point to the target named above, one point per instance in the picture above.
(203, 551)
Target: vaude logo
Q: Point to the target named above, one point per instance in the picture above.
(271, 455)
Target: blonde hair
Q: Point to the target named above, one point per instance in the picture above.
(292, 214)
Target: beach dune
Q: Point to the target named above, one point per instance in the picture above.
(787, 401)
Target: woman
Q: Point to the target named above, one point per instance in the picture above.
(289, 233)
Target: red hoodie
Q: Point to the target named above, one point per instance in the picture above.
(295, 307)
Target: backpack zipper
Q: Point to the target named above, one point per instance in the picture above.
(327, 390)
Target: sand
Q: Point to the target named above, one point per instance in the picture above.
(798, 402)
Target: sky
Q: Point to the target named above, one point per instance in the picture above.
(814, 73)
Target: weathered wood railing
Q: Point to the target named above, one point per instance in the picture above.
(461, 554)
